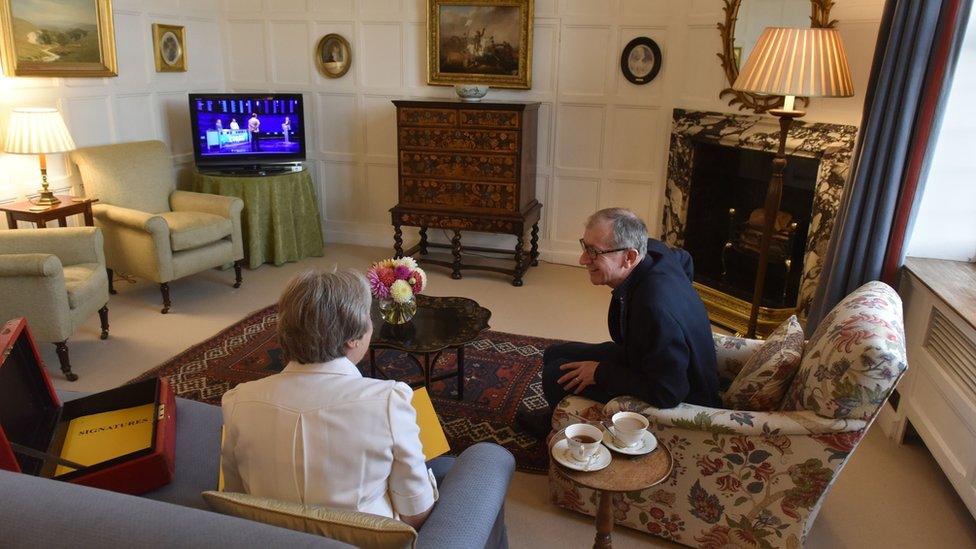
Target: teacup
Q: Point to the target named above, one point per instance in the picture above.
(628, 428)
(584, 441)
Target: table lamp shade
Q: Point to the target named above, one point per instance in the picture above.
(797, 62)
(37, 131)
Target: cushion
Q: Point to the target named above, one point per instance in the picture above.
(359, 529)
(764, 379)
(83, 285)
(188, 230)
(135, 175)
(854, 358)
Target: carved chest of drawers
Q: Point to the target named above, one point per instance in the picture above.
(468, 167)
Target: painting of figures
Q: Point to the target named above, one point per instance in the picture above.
(483, 42)
(57, 37)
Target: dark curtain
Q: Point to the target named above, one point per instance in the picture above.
(918, 45)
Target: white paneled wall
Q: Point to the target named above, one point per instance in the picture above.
(137, 104)
(602, 140)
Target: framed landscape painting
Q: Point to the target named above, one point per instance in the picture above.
(480, 42)
(57, 38)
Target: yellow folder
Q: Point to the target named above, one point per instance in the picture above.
(108, 435)
(431, 434)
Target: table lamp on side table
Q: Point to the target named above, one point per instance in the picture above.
(790, 62)
(38, 131)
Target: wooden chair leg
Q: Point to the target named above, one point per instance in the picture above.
(62, 348)
(238, 272)
(111, 284)
(103, 317)
(164, 288)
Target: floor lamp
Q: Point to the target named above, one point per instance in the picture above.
(790, 62)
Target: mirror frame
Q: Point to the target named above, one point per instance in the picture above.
(819, 18)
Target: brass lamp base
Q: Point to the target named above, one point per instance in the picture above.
(46, 198)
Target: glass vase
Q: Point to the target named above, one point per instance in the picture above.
(398, 313)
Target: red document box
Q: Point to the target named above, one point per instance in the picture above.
(34, 423)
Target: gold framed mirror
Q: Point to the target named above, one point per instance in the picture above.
(791, 13)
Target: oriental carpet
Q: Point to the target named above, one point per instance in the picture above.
(502, 377)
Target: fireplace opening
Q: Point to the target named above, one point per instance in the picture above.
(726, 217)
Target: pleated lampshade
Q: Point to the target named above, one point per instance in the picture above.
(798, 62)
(37, 130)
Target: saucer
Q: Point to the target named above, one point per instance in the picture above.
(560, 452)
(646, 445)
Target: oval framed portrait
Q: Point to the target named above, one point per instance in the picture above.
(170, 49)
(333, 56)
(641, 60)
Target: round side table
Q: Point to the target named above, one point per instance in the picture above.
(624, 474)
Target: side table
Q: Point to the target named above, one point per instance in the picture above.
(624, 474)
(21, 211)
(280, 221)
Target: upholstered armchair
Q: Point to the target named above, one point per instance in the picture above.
(152, 230)
(758, 478)
(56, 279)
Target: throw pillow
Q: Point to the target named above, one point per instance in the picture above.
(765, 377)
(353, 527)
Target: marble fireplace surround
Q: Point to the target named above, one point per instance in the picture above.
(832, 144)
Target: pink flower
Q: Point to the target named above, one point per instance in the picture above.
(417, 281)
(376, 285)
(402, 272)
(386, 276)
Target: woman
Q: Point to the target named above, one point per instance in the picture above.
(318, 432)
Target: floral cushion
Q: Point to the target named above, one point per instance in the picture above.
(854, 358)
(764, 379)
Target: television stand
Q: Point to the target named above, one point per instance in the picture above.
(254, 170)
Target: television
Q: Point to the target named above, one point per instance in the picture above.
(247, 131)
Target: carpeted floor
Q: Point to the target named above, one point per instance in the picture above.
(502, 377)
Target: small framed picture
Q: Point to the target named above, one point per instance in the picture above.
(333, 56)
(640, 60)
(170, 46)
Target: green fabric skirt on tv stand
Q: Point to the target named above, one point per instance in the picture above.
(281, 219)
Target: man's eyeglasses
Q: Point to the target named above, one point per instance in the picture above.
(594, 253)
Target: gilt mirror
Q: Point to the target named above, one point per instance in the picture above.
(744, 22)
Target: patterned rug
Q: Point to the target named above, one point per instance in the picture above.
(502, 377)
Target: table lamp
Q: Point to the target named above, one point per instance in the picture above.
(790, 62)
(38, 131)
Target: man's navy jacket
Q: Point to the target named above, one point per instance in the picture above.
(660, 323)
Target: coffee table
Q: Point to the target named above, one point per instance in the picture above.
(440, 323)
(624, 474)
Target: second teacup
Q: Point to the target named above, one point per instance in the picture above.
(628, 427)
(584, 441)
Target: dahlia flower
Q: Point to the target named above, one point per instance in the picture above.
(400, 291)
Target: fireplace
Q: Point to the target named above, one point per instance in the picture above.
(718, 171)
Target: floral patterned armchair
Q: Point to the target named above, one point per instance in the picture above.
(758, 478)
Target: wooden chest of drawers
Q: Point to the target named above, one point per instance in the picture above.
(471, 167)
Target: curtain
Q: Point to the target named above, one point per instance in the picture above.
(916, 52)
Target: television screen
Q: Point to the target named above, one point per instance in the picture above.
(243, 129)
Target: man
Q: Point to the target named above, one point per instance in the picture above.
(662, 350)
(254, 126)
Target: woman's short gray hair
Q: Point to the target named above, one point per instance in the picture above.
(319, 312)
(629, 231)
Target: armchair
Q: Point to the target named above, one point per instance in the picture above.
(152, 230)
(758, 478)
(56, 279)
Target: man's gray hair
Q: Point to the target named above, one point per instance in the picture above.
(629, 231)
(319, 312)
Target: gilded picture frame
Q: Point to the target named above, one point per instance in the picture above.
(333, 56)
(494, 47)
(169, 47)
(75, 40)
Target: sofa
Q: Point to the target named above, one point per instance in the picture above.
(757, 478)
(39, 512)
